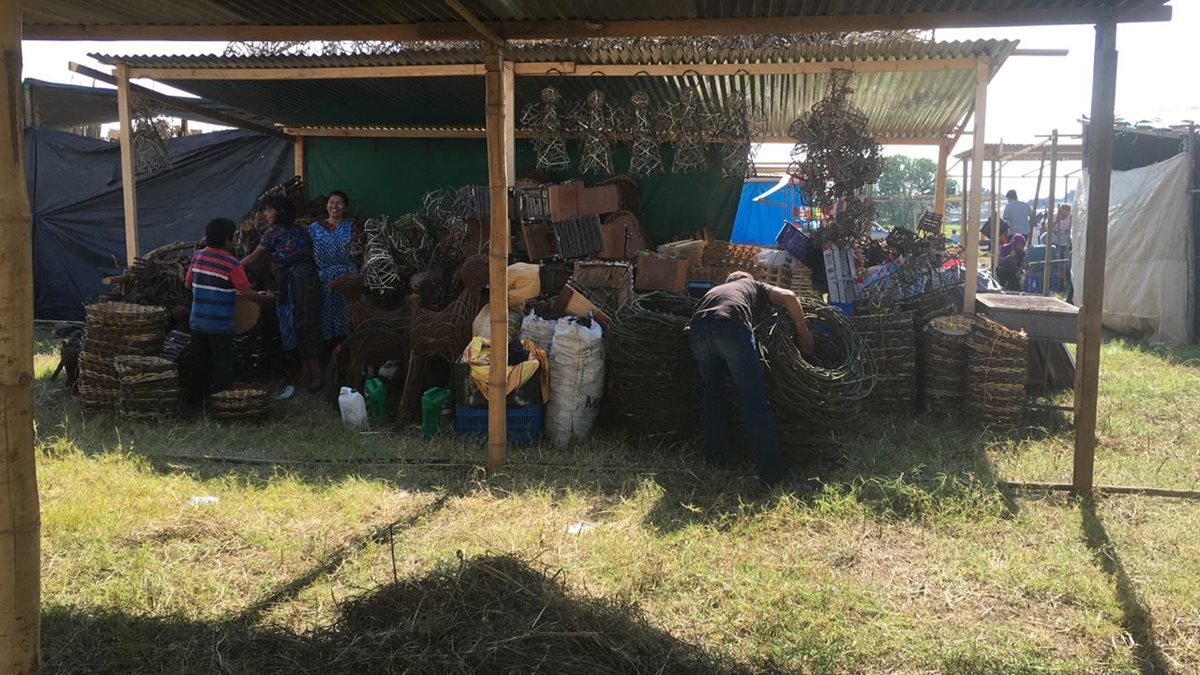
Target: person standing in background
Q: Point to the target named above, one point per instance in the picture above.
(215, 279)
(1018, 215)
(332, 239)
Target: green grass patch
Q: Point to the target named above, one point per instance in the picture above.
(907, 556)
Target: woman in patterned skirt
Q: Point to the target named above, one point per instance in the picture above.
(333, 242)
(299, 302)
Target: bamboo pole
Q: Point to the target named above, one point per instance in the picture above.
(1100, 155)
(128, 174)
(20, 580)
(983, 71)
(1051, 209)
(500, 134)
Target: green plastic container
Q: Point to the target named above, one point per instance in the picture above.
(377, 400)
(431, 410)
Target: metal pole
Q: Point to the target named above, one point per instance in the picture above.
(1091, 312)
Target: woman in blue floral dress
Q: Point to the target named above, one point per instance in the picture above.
(332, 247)
(298, 304)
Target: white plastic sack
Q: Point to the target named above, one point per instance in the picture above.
(1146, 273)
(482, 325)
(576, 381)
(541, 331)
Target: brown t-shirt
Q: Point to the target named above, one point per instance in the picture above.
(739, 301)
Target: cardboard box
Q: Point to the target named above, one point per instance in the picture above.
(564, 200)
(615, 229)
(538, 240)
(661, 274)
(575, 304)
(599, 200)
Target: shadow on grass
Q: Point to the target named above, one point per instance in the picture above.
(1135, 615)
(1173, 356)
(480, 615)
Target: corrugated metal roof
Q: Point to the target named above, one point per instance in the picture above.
(326, 12)
(899, 104)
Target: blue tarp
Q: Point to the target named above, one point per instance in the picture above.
(78, 218)
(758, 222)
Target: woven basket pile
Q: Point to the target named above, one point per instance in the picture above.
(115, 329)
(238, 404)
(149, 387)
(943, 364)
(802, 281)
(892, 344)
(996, 373)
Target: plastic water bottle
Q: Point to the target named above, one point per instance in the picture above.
(353, 407)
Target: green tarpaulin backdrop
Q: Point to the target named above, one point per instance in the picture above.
(390, 176)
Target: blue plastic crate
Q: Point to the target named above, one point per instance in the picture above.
(792, 240)
(524, 427)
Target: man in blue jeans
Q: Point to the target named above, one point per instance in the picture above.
(721, 334)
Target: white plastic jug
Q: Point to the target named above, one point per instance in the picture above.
(353, 407)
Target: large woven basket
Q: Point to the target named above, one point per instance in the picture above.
(997, 373)
(124, 315)
(943, 363)
(891, 342)
(239, 404)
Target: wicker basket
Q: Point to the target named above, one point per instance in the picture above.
(891, 341)
(691, 250)
(239, 404)
(726, 254)
(996, 373)
(943, 363)
(124, 315)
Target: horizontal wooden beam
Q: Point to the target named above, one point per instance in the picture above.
(466, 132)
(181, 104)
(566, 68)
(567, 29)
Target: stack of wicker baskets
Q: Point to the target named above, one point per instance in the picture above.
(115, 329)
(802, 281)
(997, 373)
(149, 387)
(892, 343)
(238, 404)
(944, 363)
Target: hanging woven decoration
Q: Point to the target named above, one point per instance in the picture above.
(741, 123)
(150, 133)
(598, 121)
(645, 157)
(686, 122)
(545, 121)
(834, 157)
(380, 272)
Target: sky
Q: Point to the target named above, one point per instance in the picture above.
(1027, 98)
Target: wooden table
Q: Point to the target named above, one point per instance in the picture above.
(1041, 317)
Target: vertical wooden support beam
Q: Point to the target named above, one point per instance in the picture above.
(983, 71)
(128, 174)
(963, 189)
(939, 190)
(298, 156)
(994, 215)
(1091, 313)
(20, 580)
(1194, 289)
(500, 133)
(1051, 209)
(183, 126)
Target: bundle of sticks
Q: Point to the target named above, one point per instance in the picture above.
(156, 278)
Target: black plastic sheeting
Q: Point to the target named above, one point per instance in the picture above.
(78, 214)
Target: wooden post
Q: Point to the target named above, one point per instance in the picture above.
(183, 126)
(1051, 208)
(962, 214)
(20, 580)
(500, 134)
(994, 216)
(128, 174)
(971, 240)
(298, 156)
(939, 189)
(1191, 218)
(1091, 312)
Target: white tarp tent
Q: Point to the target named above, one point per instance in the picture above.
(1147, 278)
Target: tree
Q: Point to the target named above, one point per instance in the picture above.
(906, 188)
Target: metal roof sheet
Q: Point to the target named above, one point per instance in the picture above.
(899, 104)
(325, 12)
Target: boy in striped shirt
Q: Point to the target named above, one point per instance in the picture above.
(215, 278)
